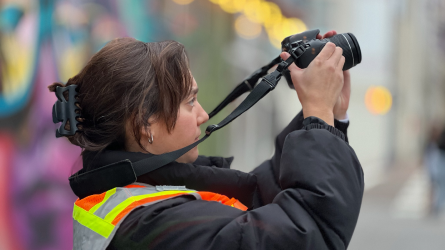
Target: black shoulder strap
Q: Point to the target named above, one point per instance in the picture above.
(246, 85)
(125, 172)
(147, 165)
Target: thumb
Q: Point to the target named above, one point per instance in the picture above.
(285, 56)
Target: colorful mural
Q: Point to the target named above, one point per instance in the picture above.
(43, 42)
(19, 39)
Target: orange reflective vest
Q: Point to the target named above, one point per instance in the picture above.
(97, 217)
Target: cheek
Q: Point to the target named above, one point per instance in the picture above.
(186, 128)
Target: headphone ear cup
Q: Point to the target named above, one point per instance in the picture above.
(286, 74)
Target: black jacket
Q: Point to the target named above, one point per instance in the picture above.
(308, 196)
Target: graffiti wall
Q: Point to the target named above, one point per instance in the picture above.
(42, 42)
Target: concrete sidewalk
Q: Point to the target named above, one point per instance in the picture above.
(395, 215)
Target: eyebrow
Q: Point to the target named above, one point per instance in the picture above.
(194, 91)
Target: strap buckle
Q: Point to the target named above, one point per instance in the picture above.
(273, 78)
(211, 128)
(297, 49)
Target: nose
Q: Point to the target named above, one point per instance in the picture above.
(203, 117)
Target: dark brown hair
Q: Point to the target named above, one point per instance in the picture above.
(129, 79)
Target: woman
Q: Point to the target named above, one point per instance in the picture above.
(138, 99)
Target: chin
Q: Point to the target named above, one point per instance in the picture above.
(189, 157)
(193, 155)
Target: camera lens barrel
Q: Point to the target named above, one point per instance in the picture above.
(350, 46)
(347, 41)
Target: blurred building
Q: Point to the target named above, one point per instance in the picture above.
(419, 76)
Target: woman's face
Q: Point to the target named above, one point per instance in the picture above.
(186, 131)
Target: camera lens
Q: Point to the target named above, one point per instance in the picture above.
(357, 47)
(351, 48)
(346, 41)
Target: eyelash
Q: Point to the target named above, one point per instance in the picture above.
(192, 102)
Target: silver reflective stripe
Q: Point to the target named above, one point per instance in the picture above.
(197, 196)
(169, 188)
(112, 202)
(123, 194)
(141, 191)
(86, 239)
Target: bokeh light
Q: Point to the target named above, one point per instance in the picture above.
(183, 2)
(378, 100)
(246, 28)
(267, 14)
(284, 28)
(231, 6)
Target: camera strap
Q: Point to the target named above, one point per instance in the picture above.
(267, 84)
(246, 85)
(126, 172)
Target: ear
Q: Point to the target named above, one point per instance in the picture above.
(146, 131)
(151, 129)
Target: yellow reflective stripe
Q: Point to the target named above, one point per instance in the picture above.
(119, 208)
(92, 222)
(107, 195)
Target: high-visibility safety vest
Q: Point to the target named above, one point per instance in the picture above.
(97, 217)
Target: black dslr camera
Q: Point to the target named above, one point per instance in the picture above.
(346, 41)
(303, 47)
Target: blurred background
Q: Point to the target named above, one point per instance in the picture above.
(396, 111)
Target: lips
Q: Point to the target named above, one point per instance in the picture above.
(197, 138)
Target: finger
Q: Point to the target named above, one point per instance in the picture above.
(347, 75)
(285, 56)
(329, 34)
(336, 56)
(347, 82)
(326, 52)
(340, 64)
(319, 37)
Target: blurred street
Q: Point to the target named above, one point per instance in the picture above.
(395, 214)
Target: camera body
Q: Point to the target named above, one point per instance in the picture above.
(347, 41)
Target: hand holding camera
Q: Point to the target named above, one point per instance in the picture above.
(315, 43)
(319, 85)
(341, 107)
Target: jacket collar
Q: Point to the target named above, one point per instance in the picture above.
(211, 174)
